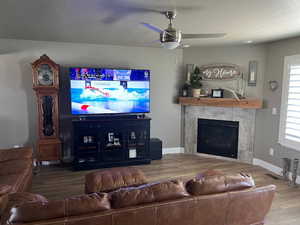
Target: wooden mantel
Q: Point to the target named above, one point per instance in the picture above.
(222, 102)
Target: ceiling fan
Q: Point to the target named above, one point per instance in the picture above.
(171, 38)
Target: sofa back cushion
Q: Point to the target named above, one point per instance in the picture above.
(203, 185)
(16, 153)
(87, 203)
(77, 205)
(113, 179)
(154, 192)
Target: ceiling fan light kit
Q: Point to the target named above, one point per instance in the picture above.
(171, 38)
(170, 45)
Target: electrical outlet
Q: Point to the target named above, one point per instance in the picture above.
(271, 151)
(274, 111)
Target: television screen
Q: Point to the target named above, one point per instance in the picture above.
(109, 91)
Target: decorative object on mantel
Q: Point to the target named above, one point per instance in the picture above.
(220, 71)
(189, 70)
(196, 84)
(286, 168)
(222, 102)
(236, 95)
(294, 173)
(185, 90)
(252, 76)
(217, 93)
(273, 85)
(225, 72)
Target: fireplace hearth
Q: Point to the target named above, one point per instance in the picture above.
(218, 137)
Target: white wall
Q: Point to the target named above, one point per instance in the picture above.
(18, 112)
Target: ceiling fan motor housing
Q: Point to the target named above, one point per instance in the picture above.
(170, 35)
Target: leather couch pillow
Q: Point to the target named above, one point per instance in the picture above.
(154, 192)
(87, 203)
(77, 205)
(113, 179)
(203, 185)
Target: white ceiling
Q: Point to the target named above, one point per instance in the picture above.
(92, 21)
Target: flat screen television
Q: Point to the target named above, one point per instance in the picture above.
(109, 91)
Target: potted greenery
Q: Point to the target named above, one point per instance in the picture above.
(196, 84)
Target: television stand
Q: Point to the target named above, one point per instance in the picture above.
(110, 141)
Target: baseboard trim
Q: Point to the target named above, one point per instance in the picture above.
(275, 169)
(175, 150)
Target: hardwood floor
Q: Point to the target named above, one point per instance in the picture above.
(57, 182)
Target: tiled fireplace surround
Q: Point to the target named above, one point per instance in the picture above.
(245, 117)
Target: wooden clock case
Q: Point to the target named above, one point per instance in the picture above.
(48, 143)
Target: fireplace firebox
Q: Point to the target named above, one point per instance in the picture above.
(218, 137)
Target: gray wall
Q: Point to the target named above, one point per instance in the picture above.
(240, 55)
(268, 124)
(18, 112)
(271, 58)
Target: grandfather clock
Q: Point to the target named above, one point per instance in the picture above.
(46, 85)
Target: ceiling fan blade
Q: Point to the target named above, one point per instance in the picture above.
(152, 27)
(190, 36)
(153, 42)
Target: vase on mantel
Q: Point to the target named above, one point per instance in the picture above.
(195, 81)
(196, 92)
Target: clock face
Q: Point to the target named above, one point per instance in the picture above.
(45, 75)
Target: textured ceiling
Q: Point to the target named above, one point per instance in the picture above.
(117, 22)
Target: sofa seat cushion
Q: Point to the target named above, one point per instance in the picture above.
(74, 206)
(148, 193)
(203, 185)
(14, 166)
(112, 179)
(15, 153)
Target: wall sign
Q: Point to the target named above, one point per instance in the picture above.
(220, 72)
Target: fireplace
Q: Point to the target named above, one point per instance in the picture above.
(218, 137)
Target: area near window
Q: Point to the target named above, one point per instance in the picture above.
(289, 131)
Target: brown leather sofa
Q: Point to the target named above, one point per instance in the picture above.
(16, 167)
(15, 172)
(209, 199)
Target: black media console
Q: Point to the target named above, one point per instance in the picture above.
(111, 141)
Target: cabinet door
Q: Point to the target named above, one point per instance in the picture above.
(137, 143)
(85, 145)
(112, 145)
